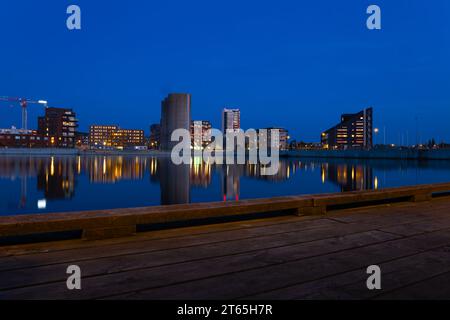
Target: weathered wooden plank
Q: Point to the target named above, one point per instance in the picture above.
(119, 218)
(52, 246)
(395, 275)
(435, 288)
(439, 206)
(251, 282)
(122, 222)
(94, 287)
(249, 261)
(328, 226)
(307, 229)
(128, 262)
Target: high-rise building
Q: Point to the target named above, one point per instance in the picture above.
(354, 131)
(200, 134)
(60, 126)
(175, 114)
(231, 120)
(155, 136)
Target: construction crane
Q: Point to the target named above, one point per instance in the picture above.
(24, 104)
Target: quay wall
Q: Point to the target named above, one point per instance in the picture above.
(442, 154)
(63, 152)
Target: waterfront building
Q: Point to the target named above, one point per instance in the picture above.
(60, 126)
(101, 136)
(354, 131)
(113, 137)
(82, 139)
(231, 120)
(200, 134)
(155, 136)
(20, 138)
(129, 138)
(283, 138)
(175, 114)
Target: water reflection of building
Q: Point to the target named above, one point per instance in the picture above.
(258, 171)
(350, 177)
(200, 173)
(112, 169)
(174, 182)
(57, 177)
(231, 181)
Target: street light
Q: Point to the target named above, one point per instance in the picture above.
(376, 130)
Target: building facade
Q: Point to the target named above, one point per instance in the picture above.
(155, 136)
(19, 138)
(354, 131)
(101, 136)
(128, 138)
(175, 114)
(283, 138)
(231, 120)
(200, 134)
(60, 126)
(82, 139)
(113, 137)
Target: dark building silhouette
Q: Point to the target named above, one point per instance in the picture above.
(175, 114)
(60, 126)
(354, 131)
(155, 136)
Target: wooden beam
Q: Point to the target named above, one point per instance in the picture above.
(123, 222)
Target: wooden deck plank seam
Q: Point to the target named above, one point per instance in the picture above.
(386, 292)
(173, 248)
(74, 261)
(348, 271)
(144, 238)
(235, 240)
(130, 240)
(221, 256)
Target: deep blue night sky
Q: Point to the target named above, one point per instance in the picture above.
(297, 64)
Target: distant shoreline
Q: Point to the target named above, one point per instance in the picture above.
(75, 152)
(387, 154)
(393, 154)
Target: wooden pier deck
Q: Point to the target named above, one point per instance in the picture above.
(286, 257)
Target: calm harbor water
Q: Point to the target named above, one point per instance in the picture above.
(31, 184)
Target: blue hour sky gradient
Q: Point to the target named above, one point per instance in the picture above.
(297, 64)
